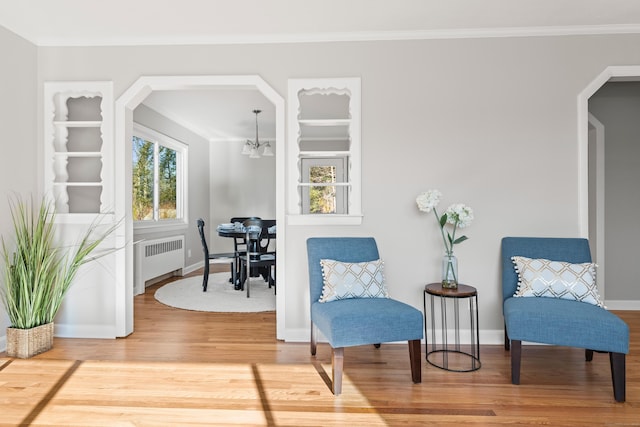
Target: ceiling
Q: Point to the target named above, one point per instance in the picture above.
(116, 22)
(217, 114)
(227, 114)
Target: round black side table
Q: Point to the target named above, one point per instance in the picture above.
(443, 355)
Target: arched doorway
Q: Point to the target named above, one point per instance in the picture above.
(124, 107)
(591, 197)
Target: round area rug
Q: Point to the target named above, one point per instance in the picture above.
(220, 296)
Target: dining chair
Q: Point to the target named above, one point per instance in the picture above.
(239, 246)
(220, 258)
(265, 247)
(550, 297)
(356, 320)
(265, 239)
(256, 261)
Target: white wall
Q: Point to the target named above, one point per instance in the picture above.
(489, 122)
(19, 112)
(240, 186)
(617, 107)
(198, 179)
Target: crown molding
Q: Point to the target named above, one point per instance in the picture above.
(469, 33)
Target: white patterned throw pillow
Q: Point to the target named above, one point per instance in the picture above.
(343, 280)
(556, 279)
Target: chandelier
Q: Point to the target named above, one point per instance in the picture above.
(251, 147)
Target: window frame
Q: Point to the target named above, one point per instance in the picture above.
(341, 184)
(182, 172)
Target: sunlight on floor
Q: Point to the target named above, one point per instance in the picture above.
(99, 393)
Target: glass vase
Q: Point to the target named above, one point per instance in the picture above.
(449, 271)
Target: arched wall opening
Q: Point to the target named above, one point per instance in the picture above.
(591, 189)
(124, 107)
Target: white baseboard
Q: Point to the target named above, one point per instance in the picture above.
(487, 336)
(622, 305)
(491, 336)
(297, 335)
(84, 331)
(191, 268)
(73, 331)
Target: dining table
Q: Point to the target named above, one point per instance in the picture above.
(239, 232)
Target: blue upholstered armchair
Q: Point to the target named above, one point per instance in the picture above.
(357, 321)
(559, 321)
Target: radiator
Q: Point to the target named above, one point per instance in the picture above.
(153, 258)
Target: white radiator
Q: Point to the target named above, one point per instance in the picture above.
(153, 258)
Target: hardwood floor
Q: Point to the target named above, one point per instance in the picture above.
(192, 368)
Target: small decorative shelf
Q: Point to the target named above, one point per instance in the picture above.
(325, 122)
(324, 134)
(78, 146)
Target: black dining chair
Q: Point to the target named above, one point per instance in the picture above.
(225, 257)
(264, 248)
(265, 238)
(257, 261)
(239, 247)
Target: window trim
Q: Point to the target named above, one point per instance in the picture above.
(341, 185)
(182, 156)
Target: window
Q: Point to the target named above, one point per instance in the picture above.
(325, 192)
(157, 174)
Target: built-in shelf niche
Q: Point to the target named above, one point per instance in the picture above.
(324, 123)
(324, 120)
(78, 146)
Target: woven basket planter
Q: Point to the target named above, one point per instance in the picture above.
(25, 343)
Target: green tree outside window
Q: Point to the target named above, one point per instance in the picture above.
(143, 173)
(322, 198)
(142, 179)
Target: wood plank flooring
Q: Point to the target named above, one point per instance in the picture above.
(182, 368)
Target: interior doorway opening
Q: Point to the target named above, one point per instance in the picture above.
(125, 105)
(591, 170)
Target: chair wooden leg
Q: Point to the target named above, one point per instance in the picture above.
(507, 343)
(241, 278)
(275, 275)
(415, 361)
(337, 362)
(516, 352)
(233, 273)
(618, 375)
(205, 276)
(237, 274)
(247, 284)
(313, 342)
(588, 355)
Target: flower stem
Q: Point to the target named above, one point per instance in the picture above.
(447, 249)
(453, 236)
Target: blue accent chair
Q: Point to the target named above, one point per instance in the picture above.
(359, 321)
(559, 321)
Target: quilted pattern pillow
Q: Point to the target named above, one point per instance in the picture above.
(343, 280)
(556, 279)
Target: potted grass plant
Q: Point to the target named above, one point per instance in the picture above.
(38, 274)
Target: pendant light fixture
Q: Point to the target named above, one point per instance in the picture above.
(251, 147)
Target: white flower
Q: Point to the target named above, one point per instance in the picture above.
(460, 215)
(428, 200)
